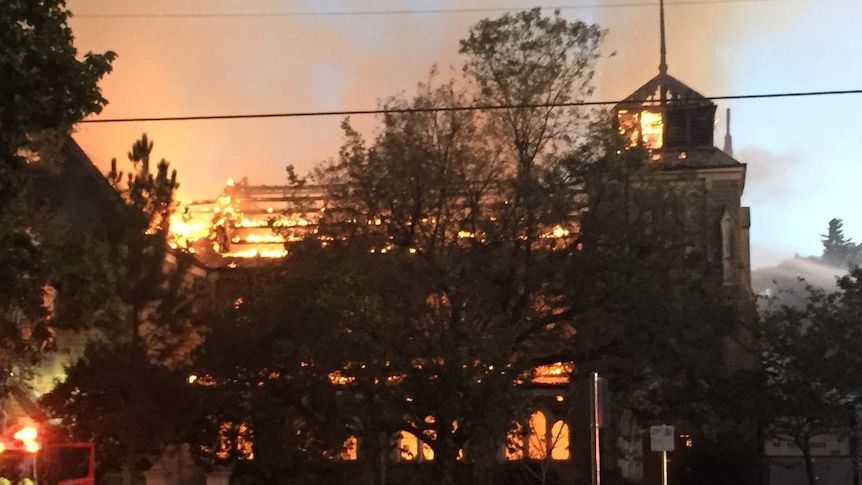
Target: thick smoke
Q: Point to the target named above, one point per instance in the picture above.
(787, 282)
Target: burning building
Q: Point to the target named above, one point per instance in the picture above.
(247, 223)
(253, 225)
(675, 124)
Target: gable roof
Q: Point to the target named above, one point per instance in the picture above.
(76, 187)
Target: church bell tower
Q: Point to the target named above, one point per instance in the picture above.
(664, 115)
(676, 124)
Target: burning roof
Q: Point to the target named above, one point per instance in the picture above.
(246, 222)
(254, 224)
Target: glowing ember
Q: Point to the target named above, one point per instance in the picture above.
(558, 232)
(256, 253)
(340, 379)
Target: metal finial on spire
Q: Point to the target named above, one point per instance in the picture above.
(728, 140)
(662, 67)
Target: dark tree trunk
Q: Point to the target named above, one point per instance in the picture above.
(809, 464)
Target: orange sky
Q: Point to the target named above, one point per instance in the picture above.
(174, 66)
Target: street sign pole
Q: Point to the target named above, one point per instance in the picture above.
(662, 439)
(595, 449)
(664, 468)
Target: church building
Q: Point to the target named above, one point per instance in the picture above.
(675, 124)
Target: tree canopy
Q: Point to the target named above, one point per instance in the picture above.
(45, 87)
(458, 250)
(146, 331)
(806, 353)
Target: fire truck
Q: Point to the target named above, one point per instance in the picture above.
(32, 454)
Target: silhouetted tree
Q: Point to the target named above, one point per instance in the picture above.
(458, 250)
(839, 250)
(150, 336)
(131, 407)
(806, 353)
(45, 87)
(151, 278)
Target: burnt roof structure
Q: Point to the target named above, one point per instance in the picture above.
(671, 120)
(664, 90)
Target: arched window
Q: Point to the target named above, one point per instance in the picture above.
(409, 446)
(537, 439)
(560, 441)
(542, 441)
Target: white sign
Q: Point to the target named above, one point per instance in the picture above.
(661, 438)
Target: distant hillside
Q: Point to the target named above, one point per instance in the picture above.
(786, 282)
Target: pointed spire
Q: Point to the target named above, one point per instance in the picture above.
(728, 140)
(662, 67)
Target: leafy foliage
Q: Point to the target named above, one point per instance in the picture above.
(532, 64)
(129, 406)
(264, 366)
(45, 87)
(460, 249)
(806, 354)
(649, 308)
(131, 377)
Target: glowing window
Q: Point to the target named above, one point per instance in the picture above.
(542, 443)
(560, 441)
(642, 128)
(537, 445)
(652, 130)
(234, 439)
(629, 125)
(427, 452)
(408, 448)
(349, 449)
(556, 373)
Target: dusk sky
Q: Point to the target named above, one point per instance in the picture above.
(216, 57)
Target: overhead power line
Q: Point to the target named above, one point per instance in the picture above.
(306, 114)
(441, 11)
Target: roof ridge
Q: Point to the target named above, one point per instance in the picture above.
(650, 93)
